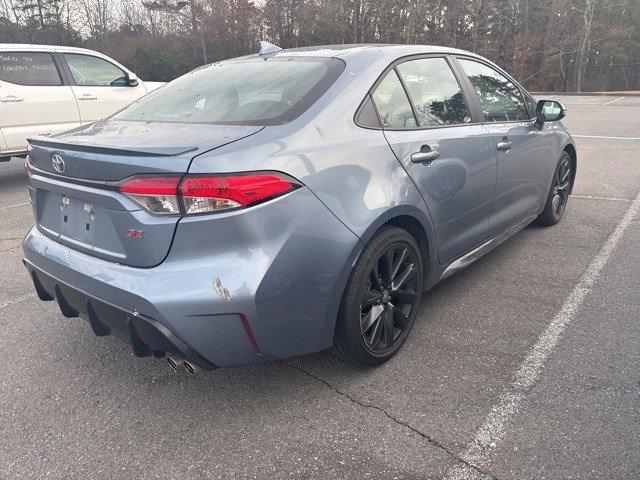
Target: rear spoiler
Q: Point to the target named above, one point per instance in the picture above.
(150, 151)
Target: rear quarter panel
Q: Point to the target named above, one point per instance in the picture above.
(357, 180)
(351, 170)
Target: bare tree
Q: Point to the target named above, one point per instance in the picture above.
(585, 42)
(549, 44)
(177, 7)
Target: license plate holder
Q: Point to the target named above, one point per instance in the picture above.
(77, 218)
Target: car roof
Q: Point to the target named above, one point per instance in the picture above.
(339, 51)
(363, 53)
(348, 50)
(27, 47)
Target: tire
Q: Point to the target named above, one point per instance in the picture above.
(381, 300)
(558, 197)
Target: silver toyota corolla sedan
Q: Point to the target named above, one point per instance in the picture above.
(290, 201)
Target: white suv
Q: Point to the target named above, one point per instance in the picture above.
(47, 89)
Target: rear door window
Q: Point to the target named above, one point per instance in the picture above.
(89, 71)
(500, 99)
(29, 69)
(392, 103)
(435, 92)
(367, 116)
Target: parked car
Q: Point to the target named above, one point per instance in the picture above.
(283, 203)
(46, 89)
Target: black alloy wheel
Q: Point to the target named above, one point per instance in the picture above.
(561, 186)
(389, 298)
(381, 300)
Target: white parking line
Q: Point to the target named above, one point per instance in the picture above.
(609, 103)
(18, 300)
(605, 137)
(494, 428)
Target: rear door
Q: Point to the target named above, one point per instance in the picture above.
(523, 150)
(99, 85)
(33, 98)
(432, 128)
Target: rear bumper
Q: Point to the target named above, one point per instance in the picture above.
(146, 335)
(245, 288)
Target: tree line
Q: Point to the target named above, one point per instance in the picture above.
(550, 45)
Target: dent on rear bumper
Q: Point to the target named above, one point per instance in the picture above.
(282, 264)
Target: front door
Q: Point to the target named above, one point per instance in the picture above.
(451, 160)
(33, 99)
(101, 87)
(523, 150)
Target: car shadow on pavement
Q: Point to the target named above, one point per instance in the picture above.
(111, 359)
(443, 335)
(274, 386)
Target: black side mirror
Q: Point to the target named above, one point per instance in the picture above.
(132, 81)
(549, 111)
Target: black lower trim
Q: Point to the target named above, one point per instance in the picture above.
(146, 335)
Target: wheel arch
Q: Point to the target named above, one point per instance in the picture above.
(419, 226)
(413, 220)
(413, 226)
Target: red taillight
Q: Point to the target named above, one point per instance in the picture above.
(202, 194)
(27, 167)
(151, 186)
(206, 194)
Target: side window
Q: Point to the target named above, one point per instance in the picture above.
(367, 116)
(29, 68)
(500, 99)
(392, 103)
(94, 72)
(435, 92)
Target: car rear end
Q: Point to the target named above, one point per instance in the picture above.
(217, 268)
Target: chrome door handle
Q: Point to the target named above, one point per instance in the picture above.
(425, 157)
(11, 99)
(504, 145)
(87, 96)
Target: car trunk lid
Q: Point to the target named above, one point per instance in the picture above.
(75, 176)
(109, 150)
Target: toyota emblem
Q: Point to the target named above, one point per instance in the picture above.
(58, 164)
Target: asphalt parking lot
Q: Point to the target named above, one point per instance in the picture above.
(524, 366)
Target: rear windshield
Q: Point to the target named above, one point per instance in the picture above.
(239, 92)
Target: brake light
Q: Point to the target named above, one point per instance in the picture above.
(206, 194)
(202, 194)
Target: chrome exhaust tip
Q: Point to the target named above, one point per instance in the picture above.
(176, 363)
(179, 363)
(192, 368)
